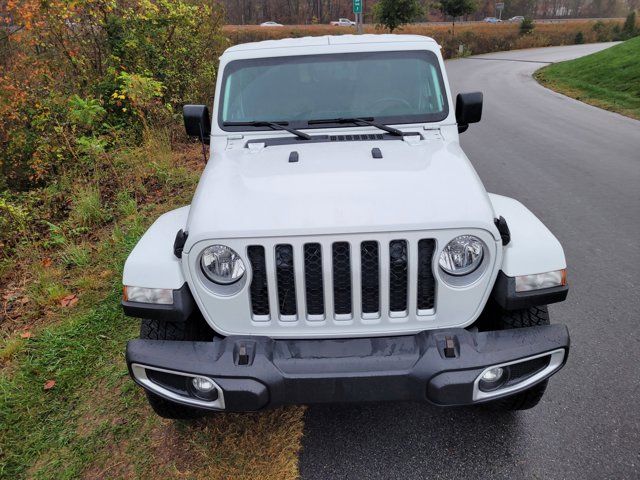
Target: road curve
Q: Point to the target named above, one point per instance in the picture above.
(578, 168)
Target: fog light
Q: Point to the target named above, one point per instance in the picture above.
(492, 379)
(202, 384)
(204, 388)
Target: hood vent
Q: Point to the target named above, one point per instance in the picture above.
(258, 144)
(356, 138)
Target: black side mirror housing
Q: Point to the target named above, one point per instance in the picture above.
(468, 109)
(197, 121)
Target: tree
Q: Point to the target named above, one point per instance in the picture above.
(395, 13)
(457, 8)
(629, 28)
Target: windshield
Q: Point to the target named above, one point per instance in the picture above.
(391, 87)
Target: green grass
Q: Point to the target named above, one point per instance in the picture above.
(608, 79)
(95, 422)
(42, 432)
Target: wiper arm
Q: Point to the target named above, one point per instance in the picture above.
(274, 125)
(360, 120)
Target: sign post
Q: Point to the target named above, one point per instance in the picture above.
(357, 10)
(499, 8)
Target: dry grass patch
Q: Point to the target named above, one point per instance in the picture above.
(261, 445)
(476, 38)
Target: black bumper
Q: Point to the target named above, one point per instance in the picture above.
(260, 372)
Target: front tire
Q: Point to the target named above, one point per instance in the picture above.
(502, 319)
(181, 332)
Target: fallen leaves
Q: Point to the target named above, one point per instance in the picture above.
(69, 300)
(46, 262)
(49, 384)
(26, 334)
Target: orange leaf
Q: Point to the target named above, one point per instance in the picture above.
(46, 262)
(49, 384)
(26, 334)
(69, 300)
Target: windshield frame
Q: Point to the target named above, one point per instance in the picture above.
(430, 56)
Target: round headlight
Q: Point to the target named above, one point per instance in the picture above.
(462, 255)
(222, 265)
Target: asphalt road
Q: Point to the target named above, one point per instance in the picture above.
(578, 169)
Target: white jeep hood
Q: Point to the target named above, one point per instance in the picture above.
(338, 187)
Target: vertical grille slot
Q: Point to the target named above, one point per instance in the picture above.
(314, 290)
(370, 279)
(341, 278)
(426, 280)
(258, 290)
(286, 280)
(398, 276)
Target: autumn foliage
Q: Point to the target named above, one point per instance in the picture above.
(81, 79)
(77, 76)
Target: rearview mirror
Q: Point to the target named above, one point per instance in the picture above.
(468, 109)
(197, 121)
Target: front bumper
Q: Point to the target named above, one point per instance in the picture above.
(440, 366)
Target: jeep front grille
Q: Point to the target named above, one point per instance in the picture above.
(259, 289)
(369, 272)
(341, 279)
(370, 266)
(426, 281)
(286, 280)
(313, 279)
(398, 280)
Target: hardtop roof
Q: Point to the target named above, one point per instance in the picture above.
(329, 40)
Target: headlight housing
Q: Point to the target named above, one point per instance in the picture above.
(222, 265)
(526, 283)
(162, 296)
(462, 255)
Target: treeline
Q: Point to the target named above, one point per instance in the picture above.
(302, 12)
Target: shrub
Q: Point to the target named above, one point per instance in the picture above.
(605, 32)
(87, 209)
(629, 28)
(526, 26)
(579, 38)
(13, 224)
(99, 73)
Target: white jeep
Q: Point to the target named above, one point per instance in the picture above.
(340, 247)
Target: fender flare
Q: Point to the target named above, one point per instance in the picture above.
(152, 263)
(533, 248)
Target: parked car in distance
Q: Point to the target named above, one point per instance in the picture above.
(516, 19)
(271, 24)
(343, 22)
(492, 20)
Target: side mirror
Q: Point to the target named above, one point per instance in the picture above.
(197, 121)
(468, 109)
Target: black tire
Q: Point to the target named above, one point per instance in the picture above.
(506, 320)
(527, 317)
(191, 330)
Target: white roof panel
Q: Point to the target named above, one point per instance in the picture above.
(328, 40)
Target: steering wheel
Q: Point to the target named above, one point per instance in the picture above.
(390, 100)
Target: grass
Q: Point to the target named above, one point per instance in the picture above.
(609, 79)
(94, 422)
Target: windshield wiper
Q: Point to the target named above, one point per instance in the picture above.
(361, 120)
(274, 125)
